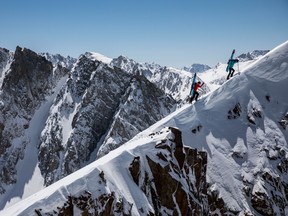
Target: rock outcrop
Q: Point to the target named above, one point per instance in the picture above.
(27, 82)
(104, 107)
(172, 177)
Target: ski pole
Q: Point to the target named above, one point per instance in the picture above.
(238, 67)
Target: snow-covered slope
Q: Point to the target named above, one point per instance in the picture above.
(216, 76)
(98, 57)
(53, 120)
(238, 125)
(242, 128)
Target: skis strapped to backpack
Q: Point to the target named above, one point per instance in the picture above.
(193, 85)
(227, 68)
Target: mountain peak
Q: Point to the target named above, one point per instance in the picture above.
(98, 57)
(197, 68)
(225, 154)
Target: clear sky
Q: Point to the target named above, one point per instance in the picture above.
(167, 32)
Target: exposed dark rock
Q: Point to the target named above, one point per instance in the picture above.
(272, 198)
(20, 83)
(108, 106)
(260, 202)
(196, 129)
(256, 112)
(284, 121)
(186, 160)
(135, 169)
(175, 186)
(235, 112)
(25, 86)
(251, 120)
(103, 205)
(139, 109)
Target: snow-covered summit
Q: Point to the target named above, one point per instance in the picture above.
(98, 57)
(242, 128)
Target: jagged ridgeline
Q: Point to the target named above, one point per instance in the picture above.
(69, 112)
(224, 155)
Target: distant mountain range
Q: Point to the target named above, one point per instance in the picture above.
(197, 68)
(252, 55)
(59, 114)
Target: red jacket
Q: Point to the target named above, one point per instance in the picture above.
(197, 85)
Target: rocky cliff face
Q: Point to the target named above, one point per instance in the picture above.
(60, 60)
(20, 84)
(99, 107)
(27, 82)
(142, 105)
(172, 81)
(170, 163)
(28, 79)
(4, 58)
(169, 178)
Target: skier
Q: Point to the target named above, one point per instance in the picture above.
(231, 63)
(196, 93)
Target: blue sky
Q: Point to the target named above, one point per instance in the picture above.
(172, 33)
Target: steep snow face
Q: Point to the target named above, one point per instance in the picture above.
(129, 181)
(238, 125)
(216, 76)
(242, 126)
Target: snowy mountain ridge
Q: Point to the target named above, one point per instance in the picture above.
(252, 55)
(58, 59)
(56, 115)
(197, 68)
(236, 134)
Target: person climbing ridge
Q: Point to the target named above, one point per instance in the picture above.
(196, 93)
(230, 65)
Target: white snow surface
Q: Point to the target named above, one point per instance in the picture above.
(99, 57)
(219, 137)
